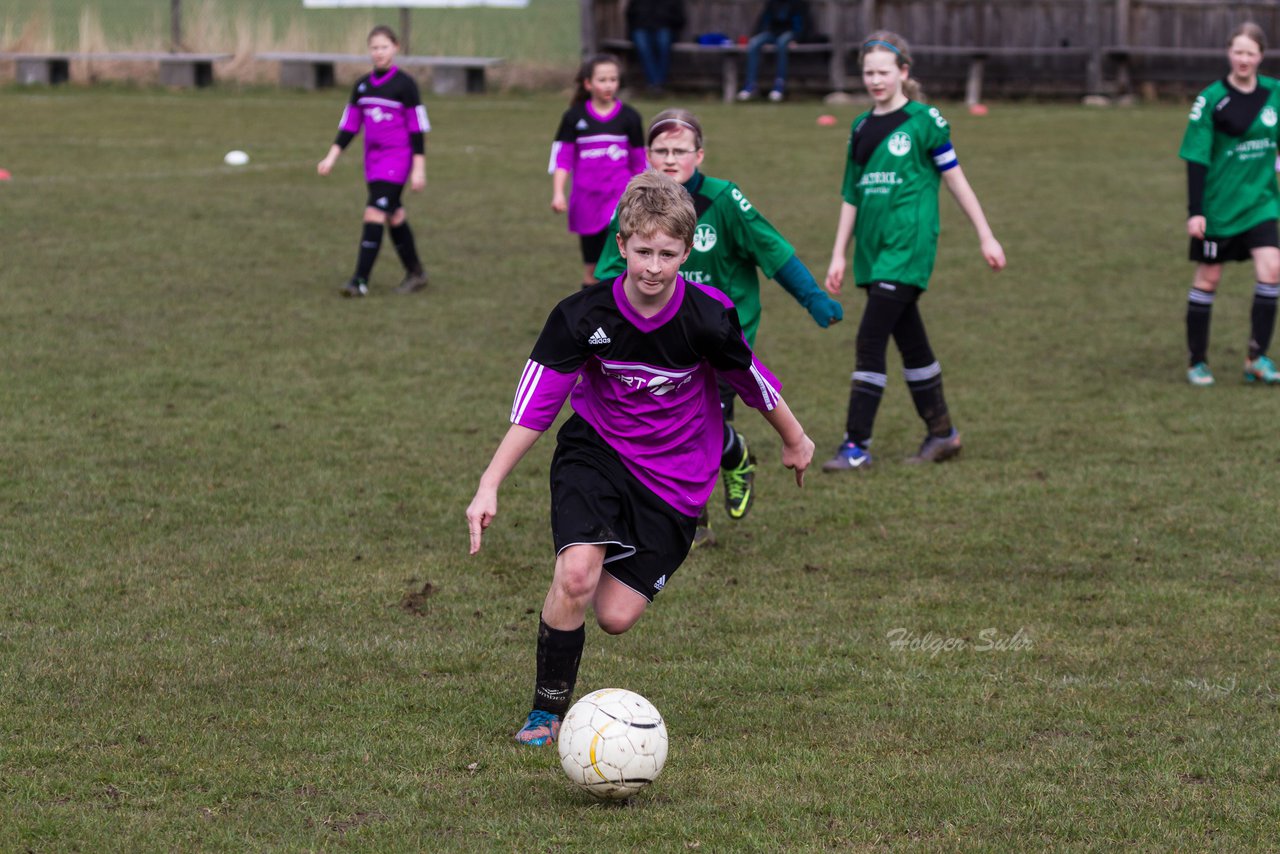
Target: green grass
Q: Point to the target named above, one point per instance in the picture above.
(219, 483)
(543, 34)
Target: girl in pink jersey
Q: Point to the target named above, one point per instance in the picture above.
(600, 141)
(385, 102)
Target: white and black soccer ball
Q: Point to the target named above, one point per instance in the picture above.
(612, 743)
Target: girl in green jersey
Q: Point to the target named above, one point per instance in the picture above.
(1232, 201)
(898, 154)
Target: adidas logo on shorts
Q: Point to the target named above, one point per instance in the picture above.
(598, 337)
(660, 583)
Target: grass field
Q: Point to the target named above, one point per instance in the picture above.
(238, 613)
(543, 34)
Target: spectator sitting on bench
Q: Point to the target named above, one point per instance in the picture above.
(781, 23)
(654, 25)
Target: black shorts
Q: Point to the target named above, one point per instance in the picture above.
(596, 501)
(1234, 247)
(385, 196)
(895, 291)
(593, 245)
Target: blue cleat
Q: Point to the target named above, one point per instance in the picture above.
(1261, 370)
(849, 456)
(540, 728)
(1200, 375)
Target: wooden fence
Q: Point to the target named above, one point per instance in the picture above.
(1010, 47)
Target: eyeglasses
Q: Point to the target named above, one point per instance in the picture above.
(674, 153)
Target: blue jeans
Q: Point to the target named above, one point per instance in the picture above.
(754, 48)
(654, 47)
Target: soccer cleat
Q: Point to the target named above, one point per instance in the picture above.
(703, 536)
(1200, 375)
(539, 728)
(746, 95)
(414, 281)
(937, 449)
(776, 95)
(355, 288)
(848, 457)
(1261, 370)
(739, 484)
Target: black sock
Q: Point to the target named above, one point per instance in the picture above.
(864, 400)
(734, 449)
(370, 243)
(402, 237)
(926, 391)
(558, 655)
(1199, 312)
(1263, 318)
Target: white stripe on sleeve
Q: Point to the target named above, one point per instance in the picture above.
(524, 392)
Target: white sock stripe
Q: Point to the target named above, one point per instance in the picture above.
(915, 375)
(1271, 291)
(1200, 297)
(873, 379)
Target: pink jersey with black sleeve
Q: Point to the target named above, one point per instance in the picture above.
(647, 385)
(601, 152)
(390, 110)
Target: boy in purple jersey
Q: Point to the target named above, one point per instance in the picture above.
(386, 104)
(633, 467)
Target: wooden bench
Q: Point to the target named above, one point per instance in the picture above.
(978, 56)
(450, 75)
(731, 56)
(1124, 55)
(182, 70)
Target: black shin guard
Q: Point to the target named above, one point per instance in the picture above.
(733, 448)
(1199, 313)
(402, 237)
(370, 243)
(559, 653)
(931, 405)
(1263, 319)
(864, 402)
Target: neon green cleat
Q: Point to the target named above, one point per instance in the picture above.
(1200, 375)
(1261, 370)
(739, 484)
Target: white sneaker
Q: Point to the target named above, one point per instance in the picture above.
(776, 95)
(745, 95)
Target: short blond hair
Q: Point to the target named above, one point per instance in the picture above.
(652, 204)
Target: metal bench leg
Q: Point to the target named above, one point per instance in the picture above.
(973, 88)
(729, 76)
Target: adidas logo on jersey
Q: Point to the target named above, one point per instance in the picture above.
(581, 125)
(598, 337)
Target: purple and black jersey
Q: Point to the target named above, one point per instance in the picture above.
(646, 385)
(602, 152)
(390, 110)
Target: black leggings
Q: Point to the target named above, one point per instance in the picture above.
(892, 311)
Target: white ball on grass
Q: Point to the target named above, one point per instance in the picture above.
(235, 158)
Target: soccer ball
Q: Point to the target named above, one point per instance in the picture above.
(612, 743)
(235, 158)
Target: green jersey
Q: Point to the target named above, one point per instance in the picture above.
(1234, 134)
(891, 175)
(732, 239)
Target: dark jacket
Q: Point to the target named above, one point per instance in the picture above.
(656, 15)
(780, 16)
